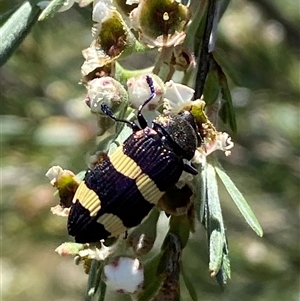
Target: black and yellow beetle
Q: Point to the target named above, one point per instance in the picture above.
(120, 190)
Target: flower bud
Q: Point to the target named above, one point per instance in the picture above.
(139, 92)
(124, 274)
(69, 248)
(106, 90)
(66, 183)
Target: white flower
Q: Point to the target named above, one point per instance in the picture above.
(176, 97)
(102, 10)
(54, 173)
(124, 274)
(222, 141)
(60, 210)
(139, 92)
(131, 2)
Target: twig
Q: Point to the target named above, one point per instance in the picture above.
(203, 58)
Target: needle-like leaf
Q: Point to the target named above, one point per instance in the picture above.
(16, 28)
(240, 201)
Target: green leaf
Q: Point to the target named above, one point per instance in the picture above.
(240, 201)
(94, 278)
(189, 285)
(16, 28)
(226, 265)
(51, 9)
(5, 15)
(226, 112)
(221, 58)
(224, 272)
(202, 214)
(81, 175)
(199, 188)
(216, 243)
(214, 211)
(211, 88)
(224, 4)
(180, 225)
(196, 28)
(218, 248)
(102, 292)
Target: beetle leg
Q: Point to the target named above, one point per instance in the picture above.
(190, 169)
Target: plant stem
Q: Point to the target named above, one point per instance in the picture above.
(203, 57)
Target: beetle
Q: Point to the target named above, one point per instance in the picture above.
(120, 190)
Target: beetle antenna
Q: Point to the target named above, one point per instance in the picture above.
(107, 111)
(141, 119)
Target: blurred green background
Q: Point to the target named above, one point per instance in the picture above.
(45, 122)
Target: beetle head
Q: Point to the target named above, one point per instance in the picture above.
(178, 133)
